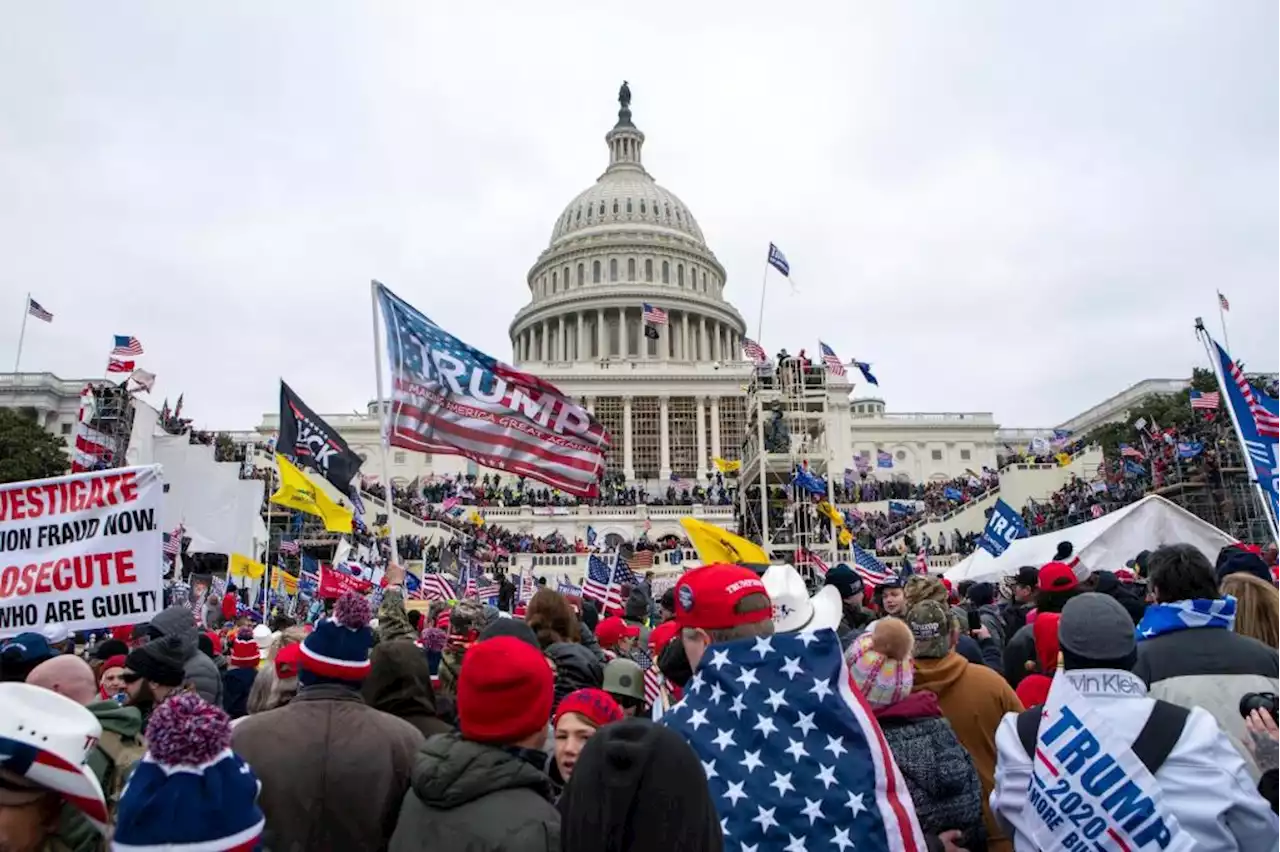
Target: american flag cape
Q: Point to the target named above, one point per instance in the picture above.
(450, 398)
(793, 757)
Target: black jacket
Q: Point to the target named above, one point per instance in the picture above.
(576, 668)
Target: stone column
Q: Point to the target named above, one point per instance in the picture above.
(715, 427)
(591, 405)
(664, 440)
(703, 353)
(544, 351)
(628, 467)
(702, 439)
(600, 348)
(684, 339)
(581, 354)
(562, 345)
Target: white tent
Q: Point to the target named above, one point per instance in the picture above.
(1104, 544)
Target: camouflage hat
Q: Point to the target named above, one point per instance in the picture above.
(466, 617)
(921, 587)
(624, 677)
(930, 624)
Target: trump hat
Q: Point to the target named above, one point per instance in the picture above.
(707, 597)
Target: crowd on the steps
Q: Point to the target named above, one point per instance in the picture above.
(463, 726)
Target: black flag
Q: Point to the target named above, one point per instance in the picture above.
(310, 442)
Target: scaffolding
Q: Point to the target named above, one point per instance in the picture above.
(107, 411)
(787, 416)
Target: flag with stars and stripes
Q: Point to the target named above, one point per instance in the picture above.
(830, 360)
(599, 585)
(436, 587)
(1210, 401)
(450, 398)
(754, 351)
(654, 315)
(870, 569)
(290, 547)
(1254, 414)
(793, 757)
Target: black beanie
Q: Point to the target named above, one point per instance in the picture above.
(108, 648)
(638, 787)
(515, 627)
(160, 661)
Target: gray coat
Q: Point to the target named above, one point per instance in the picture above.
(472, 797)
(198, 670)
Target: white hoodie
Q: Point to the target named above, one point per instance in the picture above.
(1204, 780)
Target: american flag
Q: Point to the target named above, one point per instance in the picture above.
(1096, 510)
(870, 569)
(637, 563)
(173, 544)
(652, 685)
(1211, 400)
(93, 450)
(33, 308)
(1131, 452)
(833, 364)
(1266, 421)
(450, 398)
(290, 547)
(599, 584)
(792, 755)
(126, 345)
(436, 587)
(1222, 302)
(654, 316)
(754, 351)
(486, 588)
(808, 557)
(115, 365)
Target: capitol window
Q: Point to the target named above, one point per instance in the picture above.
(666, 272)
(648, 267)
(595, 272)
(680, 274)
(555, 281)
(641, 206)
(936, 455)
(667, 209)
(631, 269)
(613, 269)
(965, 455)
(615, 207)
(578, 218)
(601, 208)
(399, 458)
(704, 282)
(628, 205)
(581, 274)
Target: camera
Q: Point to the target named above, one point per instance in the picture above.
(1251, 701)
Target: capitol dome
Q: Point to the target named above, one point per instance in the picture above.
(623, 243)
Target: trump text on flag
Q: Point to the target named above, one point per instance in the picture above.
(82, 551)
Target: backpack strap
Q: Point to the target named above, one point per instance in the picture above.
(1160, 734)
(1029, 728)
(1153, 745)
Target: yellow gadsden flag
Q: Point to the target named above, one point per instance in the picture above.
(726, 466)
(242, 566)
(716, 544)
(297, 491)
(285, 582)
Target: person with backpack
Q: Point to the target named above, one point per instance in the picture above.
(112, 758)
(1202, 778)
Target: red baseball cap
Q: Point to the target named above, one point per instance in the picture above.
(706, 596)
(1058, 577)
(661, 635)
(613, 629)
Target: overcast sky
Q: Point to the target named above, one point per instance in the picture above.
(1016, 207)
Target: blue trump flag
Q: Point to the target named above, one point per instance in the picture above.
(450, 398)
(898, 508)
(1255, 415)
(778, 260)
(793, 758)
(807, 481)
(952, 493)
(1004, 527)
(1189, 449)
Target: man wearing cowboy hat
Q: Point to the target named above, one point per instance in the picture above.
(45, 740)
(793, 609)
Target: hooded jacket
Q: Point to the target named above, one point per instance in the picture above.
(400, 684)
(125, 723)
(939, 773)
(480, 798)
(1203, 781)
(638, 787)
(973, 699)
(576, 668)
(197, 669)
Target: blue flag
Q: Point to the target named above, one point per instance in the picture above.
(1004, 527)
(778, 260)
(897, 508)
(807, 481)
(1189, 449)
(1255, 414)
(793, 757)
(865, 368)
(1132, 468)
(884, 459)
(952, 493)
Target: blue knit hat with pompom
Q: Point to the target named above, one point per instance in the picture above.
(337, 651)
(189, 760)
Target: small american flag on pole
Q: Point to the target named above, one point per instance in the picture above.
(829, 359)
(1210, 401)
(654, 316)
(290, 547)
(126, 345)
(173, 544)
(599, 583)
(1222, 302)
(1131, 452)
(34, 308)
(754, 351)
(805, 556)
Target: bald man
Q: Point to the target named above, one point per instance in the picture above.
(120, 747)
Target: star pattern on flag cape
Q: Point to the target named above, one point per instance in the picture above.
(793, 759)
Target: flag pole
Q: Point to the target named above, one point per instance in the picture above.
(26, 311)
(1216, 363)
(1222, 318)
(382, 416)
(760, 322)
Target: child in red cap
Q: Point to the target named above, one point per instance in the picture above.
(577, 717)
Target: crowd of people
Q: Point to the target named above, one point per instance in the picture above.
(457, 725)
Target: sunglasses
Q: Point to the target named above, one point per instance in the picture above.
(130, 677)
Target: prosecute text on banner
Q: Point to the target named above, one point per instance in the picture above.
(83, 551)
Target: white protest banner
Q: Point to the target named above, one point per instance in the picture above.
(1090, 791)
(83, 551)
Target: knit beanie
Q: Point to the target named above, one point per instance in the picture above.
(244, 651)
(595, 705)
(510, 627)
(505, 691)
(110, 648)
(880, 662)
(189, 759)
(337, 651)
(160, 661)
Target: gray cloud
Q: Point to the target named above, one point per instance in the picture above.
(1006, 206)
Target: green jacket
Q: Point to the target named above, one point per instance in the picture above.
(118, 723)
(393, 620)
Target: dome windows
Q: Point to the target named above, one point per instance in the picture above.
(631, 269)
(666, 211)
(679, 274)
(578, 218)
(641, 206)
(595, 272)
(555, 281)
(628, 205)
(613, 267)
(666, 272)
(648, 266)
(615, 207)
(602, 208)
(581, 275)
